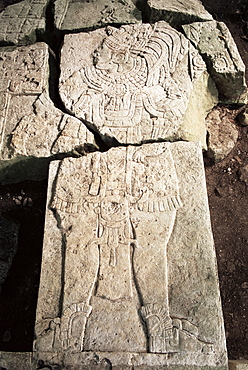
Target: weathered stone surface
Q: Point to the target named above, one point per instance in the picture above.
(30, 125)
(20, 22)
(238, 364)
(243, 117)
(222, 134)
(217, 47)
(129, 270)
(8, 246)
(134, 84)
(16, 360)
(79, 15)
(177, 12)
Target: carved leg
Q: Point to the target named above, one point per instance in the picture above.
(150, 275)
(73, 324)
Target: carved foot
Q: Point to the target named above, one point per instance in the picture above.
(162, 336)
(73, 324)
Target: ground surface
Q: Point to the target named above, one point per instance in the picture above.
(227, 182)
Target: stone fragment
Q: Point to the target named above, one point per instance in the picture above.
(20, 22)
(222, 134)
(82, 15)
(238, 364)
(30, 125)
(217, 47)
(128, 268)
(243, 117)
(137, 83)
(177, 12)
(243, 173)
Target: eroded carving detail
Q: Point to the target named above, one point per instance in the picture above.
(132, 91)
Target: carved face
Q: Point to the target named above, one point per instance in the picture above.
(102, 57)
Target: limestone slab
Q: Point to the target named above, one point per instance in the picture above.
(20, 22)
(129, 268)
(135, 84)
(215, 43)
(84, 15)
(177, 12)
(30, 125)
(16, 360)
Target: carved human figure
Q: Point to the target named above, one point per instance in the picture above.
(133, 92)
(128, 200)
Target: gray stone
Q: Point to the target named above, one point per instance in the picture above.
(137, 83)
(217, 47)
(30, 125)
(129, 269)
(82, 15)
(20, 22)
(177, 12)
(222, 134)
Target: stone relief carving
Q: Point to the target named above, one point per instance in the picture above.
(128, 198)
(138, 86)
(19, 22)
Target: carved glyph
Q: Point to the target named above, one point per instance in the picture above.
(214, 41)
(19, 22)
(137, 83)
(30, 125)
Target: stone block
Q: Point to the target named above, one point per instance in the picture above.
(222, 135)
(177, 12)
(217, 47)
(137, 84)
(129, 275)
(20, 22)
(30, 125)
(73, 15)
(238, 364)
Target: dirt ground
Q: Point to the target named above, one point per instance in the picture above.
(24, 205)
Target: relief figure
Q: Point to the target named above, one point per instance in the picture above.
(129, 92)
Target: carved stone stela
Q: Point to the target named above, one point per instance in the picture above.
(135, 84)
(128, 268)
(112, 217)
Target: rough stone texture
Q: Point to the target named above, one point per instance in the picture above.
(20, 22)
(129, 272)
(177, 12)
(30, 125)
(243, 117)
(79, 15)
(16, 360)
(218, 49)
(222, 135)
(8, 247)
(238, 364)
(134, 84)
